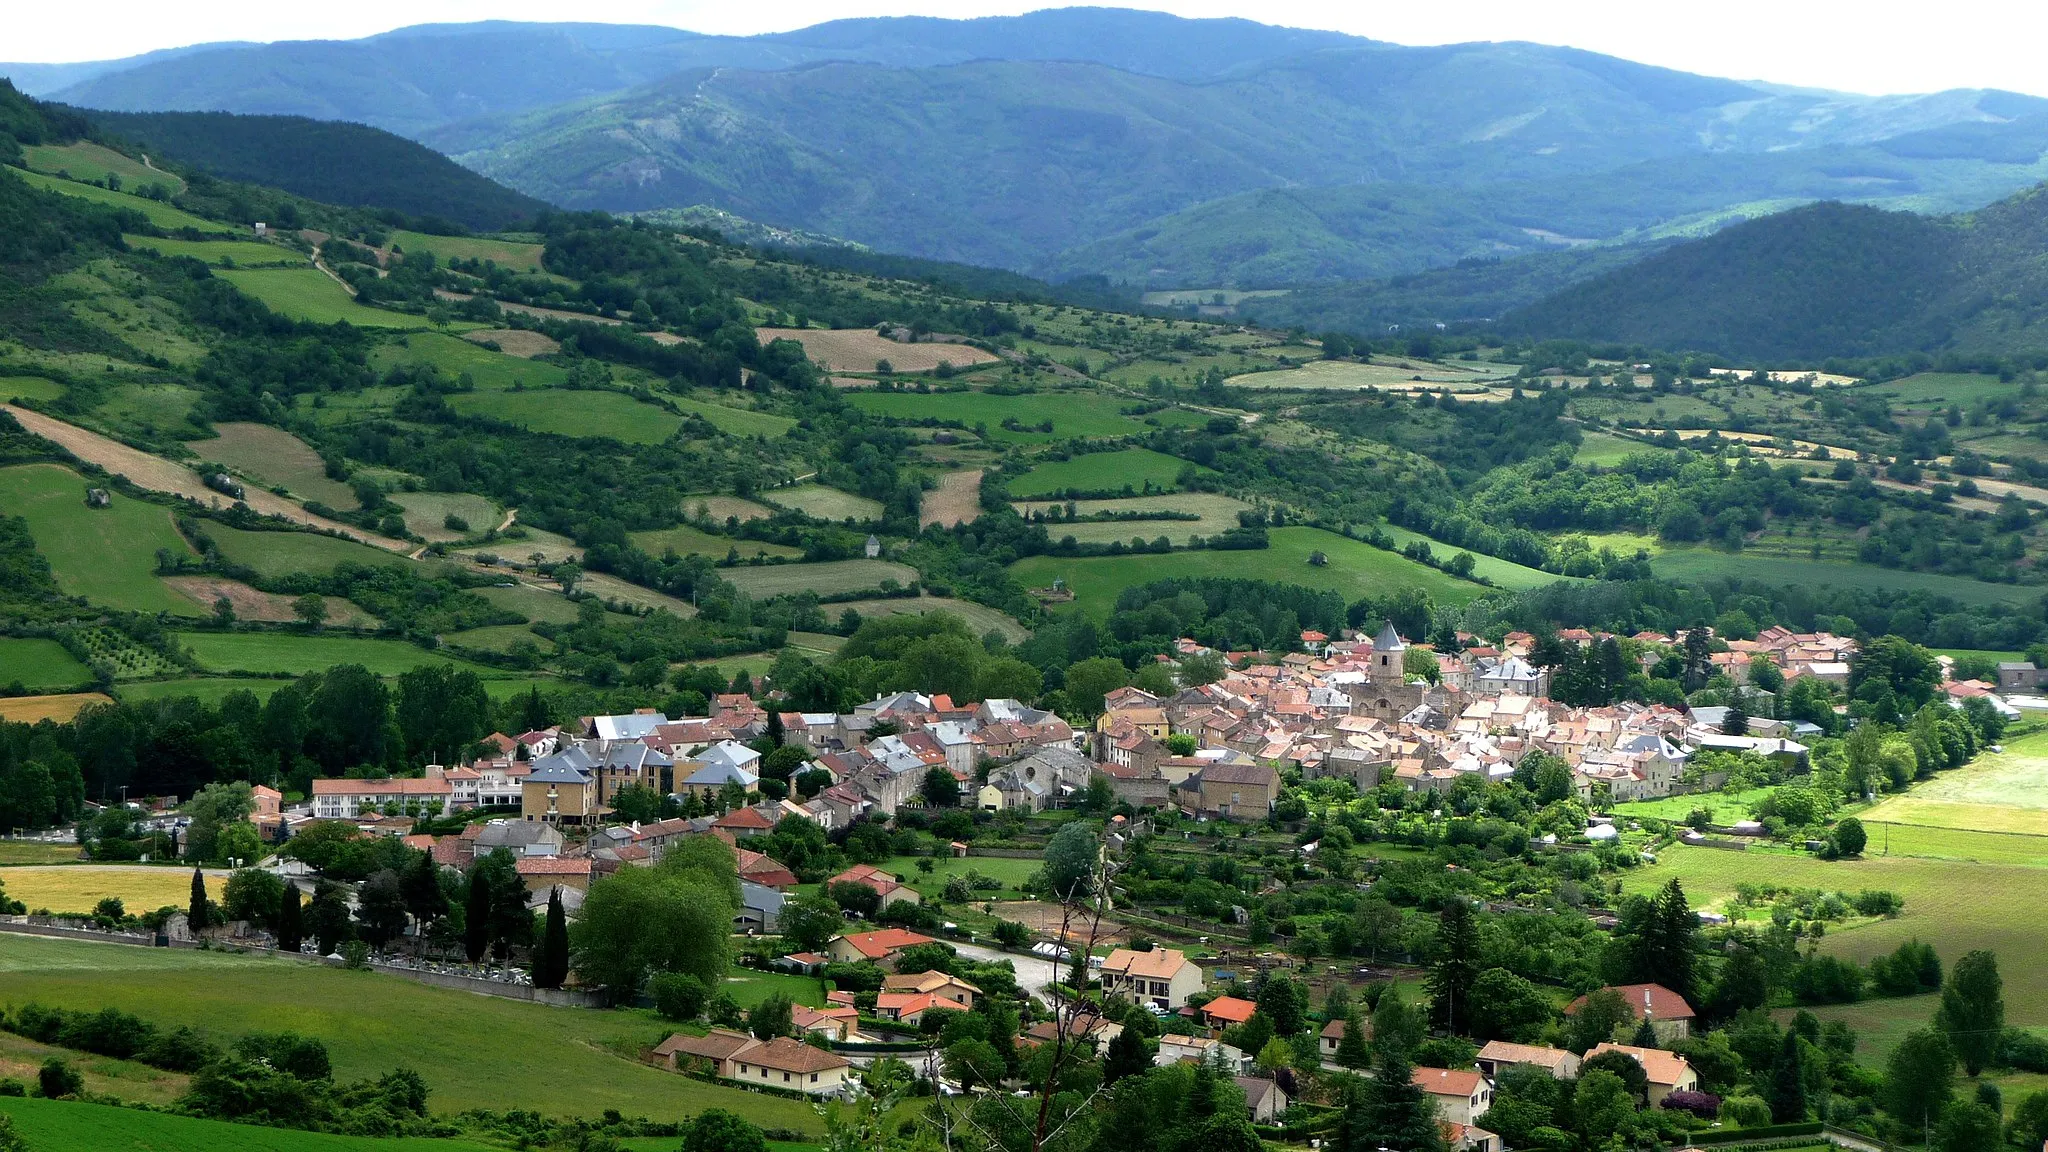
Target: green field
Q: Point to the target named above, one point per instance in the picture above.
(1502, 573)
(490, 371)
(569, 412)
(1011, 873)
(209, 690)
(1218, 513)
(85, 160)
(474, 1051)
(1958, 897)
(274, 457)
(220, 253)
(1125, 471)
(310, 294)
(29, 388)
(1705, 563)
(736, 421)
(979, 617)
(831, 578)
(283, 553)
(825, 503)
(1997, 792)
(296, 653)
(1354, 570)
(1943, 388)
(748, 987)
(686, 541)
(426, 513)
(1076, 413)
(1321, 374)
(513, 254)
(496, 638)
(43, 665)
(1727, 807)
(162, 215)
(69, 1126)
(107, 555)
(536, 604)
(1608, 449)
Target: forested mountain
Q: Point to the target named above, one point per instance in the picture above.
(1156, 150)
(338, 163)
(1826, 280)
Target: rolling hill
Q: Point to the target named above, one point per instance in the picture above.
(1829, 279)
(1156, 150)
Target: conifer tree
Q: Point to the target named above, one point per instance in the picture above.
(290, 923)
(1456, 968)
(551, 965)
(199, 913)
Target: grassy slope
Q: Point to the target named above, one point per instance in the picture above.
(1704, 563)
(107, 554)
(43, 665)
(1504, 573)
(1354, 570)
(1074, 414)
(269, 652)
(283, 553)
(162, 215)
(67, 1126)
(573, 413)
(475, 1051)
(1100, 472)
(310, 294)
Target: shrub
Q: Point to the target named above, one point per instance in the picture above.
(57, 1079)
(1704, 1105)
(1011, 934)
(678, 995)
(1745, 1112)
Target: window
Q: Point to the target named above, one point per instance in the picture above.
(814, 1077)
(785, 1077)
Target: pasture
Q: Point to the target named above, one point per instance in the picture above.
(268, 607)
(426, 513)
(830, 578)
(61, 708)
(296, 653)
(570, 1062)
(1354, 569)
(1074, 413)
(727, 508)
(1502, 573)
(566, 412)
(29, 388)
(824, 503)
(514, 341)
(127, 1080)
(39, 664)
(162, 215)
(310, 294)
(1706, 563)
(685, 540)
(1959, 900)
(860, 350)
(283, 553)
(1997, 792)
(1606, 448)
(85, 160)
(957, 499)
(979, 617)
(209, 690)
(454, 355)
(520, 257)
(72, 1126)
(1128, 472)
(77, 888)
(274, 458)
(220, 253)
(736, 421)
(107, 555)
(536, 604)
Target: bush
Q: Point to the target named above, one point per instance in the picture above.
(2023, 1051)
(1745, 1112)
(1827, 980)
(57, 1079)
(678, 995)
(1011, 934)
(1704, 1105)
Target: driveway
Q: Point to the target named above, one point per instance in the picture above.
(1034, 973)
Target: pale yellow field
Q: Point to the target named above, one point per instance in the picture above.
(78, 887)
(63, 709)
(1397, 376)
(859, 349)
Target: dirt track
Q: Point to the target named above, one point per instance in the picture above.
(160, 475)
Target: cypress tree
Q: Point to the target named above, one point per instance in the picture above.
(199, 913)
(290, 925)
(476, 923)
(551, 966)
(1450, 982)
(1786, 1089)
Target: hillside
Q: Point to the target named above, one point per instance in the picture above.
(338, 163)
(1827, 280)
(1163, 152)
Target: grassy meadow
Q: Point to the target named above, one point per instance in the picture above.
(275, 458)
(567, 412)
(1998, 792)
(736, 421)
(85, 160)
(283, 553)
(1706, 563)
(310, 294)
(825, 503)
(555, 1061)
(1126, 471)
(1078, 413)
(1502, 573)
(513, 254)
(831, 578)
(162, 215)
(42, 665)
(106, 554)
(76, 888)
(71, 1126)
(1354, 569)
(685, 541)
(489, 371)
(296, 653)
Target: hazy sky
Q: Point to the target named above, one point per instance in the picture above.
(1867, 46)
